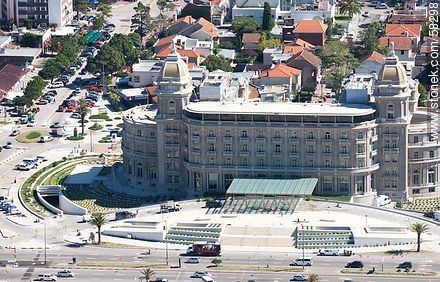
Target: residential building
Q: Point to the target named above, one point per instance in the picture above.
(183, 147)
(312, 31)
(254, 9)
(321, 10)
(250, 43)
(281, 75)
(218, 86)
(404, 47)
(201, 29)
(144, 73)
(12, 80)
(358, 89)
(423, 56)
(371, 64)
(310, 66)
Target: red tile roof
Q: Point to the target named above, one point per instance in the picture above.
(310, 26)
(208, 27)
(281, 70)
(428, 46)
(187, 19)
(165, 40)
(307, 56)
(163, 53)
(254, 94)
(292, 49)
(400, 43)
(251, 37)
(10, 75)
(305, 44)
(375, 57)
(400, 29)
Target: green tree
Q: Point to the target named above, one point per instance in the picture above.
(369, 39)
(110, 59)
(243, 25)
(423, 95)
(350, 7)
(98, 23)
(80, 6)
(141, 19)
(267, 41)
(420, 229)
(30, 40)
(83, 110)
(164, 6)
(23, 101)
(98, 220)
(333, 28)
(268, 22)
(216, 261)
(214, 62)
(114, 97)
(105, 9)
(313, 277)
(146, 274)
(50, 71)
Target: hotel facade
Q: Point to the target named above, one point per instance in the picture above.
(180, 147)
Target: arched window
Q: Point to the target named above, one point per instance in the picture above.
(211, 133)
(260, 134)
(172, 107)
(431, 175)
(139, 171)
(277, 134)
(228, 133)
(195, 132)
(416, 155)
(390, 111)
(344, 135)
(327, 135)
(311, 135)
(244, 134)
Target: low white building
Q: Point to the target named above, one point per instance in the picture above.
(359, 88)
(322, 10)
(146, 72)
(218, 86)
(254, 9)
(60, 12)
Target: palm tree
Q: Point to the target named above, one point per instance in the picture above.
(98, 220)
(351, 7)
(147, 274)
(419, 228)
(313, 277)
(83, 110)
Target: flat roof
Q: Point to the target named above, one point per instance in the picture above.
(281, 108)
(278, 187)
(21, 52)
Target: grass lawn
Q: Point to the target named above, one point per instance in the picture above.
(95, 127)
(101, 116)
(75, 138)
(341, 198)
(31, 136)
(342, 19)
(120, 125)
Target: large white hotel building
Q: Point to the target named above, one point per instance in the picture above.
(178, 147)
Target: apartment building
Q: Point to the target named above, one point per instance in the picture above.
(184, 147)
(38, 13)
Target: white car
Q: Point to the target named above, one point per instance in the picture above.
(65, 273)
(193, 260)
(75, 115)
(298, 277)
(32, 123)
(8, 145)
(199, 274)
(23, 166)
(46, 277)
(366, 14)
(57, 84)
(328, 253)
(41, 159)
(15, 132)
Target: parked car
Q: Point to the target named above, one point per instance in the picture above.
(23, 166)
(405, 265)
(366, 14)
(46, 277)
(51, 93)
(42, 102)
(355, 264)
(41, 158)
(302, 262)
(8, 145)
(56, 125)
(75, 115)
(382, 6)
(15, 132)
(44, 139)
(57, 84)
(298, 277)
(193, 260)
(65, 273)
(328, 252)
(199, 274)
(213, 204)
(32, 123)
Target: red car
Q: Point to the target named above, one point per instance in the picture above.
(95, 88)
(99, 45)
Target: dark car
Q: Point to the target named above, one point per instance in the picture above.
(355, 264)
(213, 204)
(405, 265)
(124, 215)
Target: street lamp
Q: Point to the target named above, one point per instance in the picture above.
(166, 242)
(366, 220)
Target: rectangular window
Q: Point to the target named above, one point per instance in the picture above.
(277, 162)
(137, 79)
(244, 161)
(360, 149)
(343, 184)
(176, 179)
(261, 162)
(169, 179)
(198, 182)
(327, 184)
(212, 181)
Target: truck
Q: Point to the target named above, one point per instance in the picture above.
(124, 215)
(204, 249)
(170, 206)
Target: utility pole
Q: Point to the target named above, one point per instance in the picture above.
(166, 242)
(45, 243)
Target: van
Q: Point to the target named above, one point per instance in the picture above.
(44, 139)
(207, 278)
(302, 262)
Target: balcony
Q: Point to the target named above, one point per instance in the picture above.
(227, 153)
(344, 155)
(261, 139)
(277, 140)
(195, 138)
(244, 154)
(212, 153)
(373, 153)
(293, 154)
(211, 139)
(244, 139)
(344, 141)
(391, 135)
(293, 141)
(374, 138)
(261, 154)
(277, 154)
(310, 154)
(227, 139)
(327, 154)
(196, 151)
(327, 141)
(171, 145)
(310, 141)
(171, 131)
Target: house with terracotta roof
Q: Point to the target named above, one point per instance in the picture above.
(255, 9)
(408, 19)
(191, 57)
(12, 79)
(371, 64)
(180, 24)
(185, 43)
(312, 31)
(310, 65)
(412, 31)
(403, 46)
(250, 43)
(281, 75)
(167, 41)
(202, 30)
